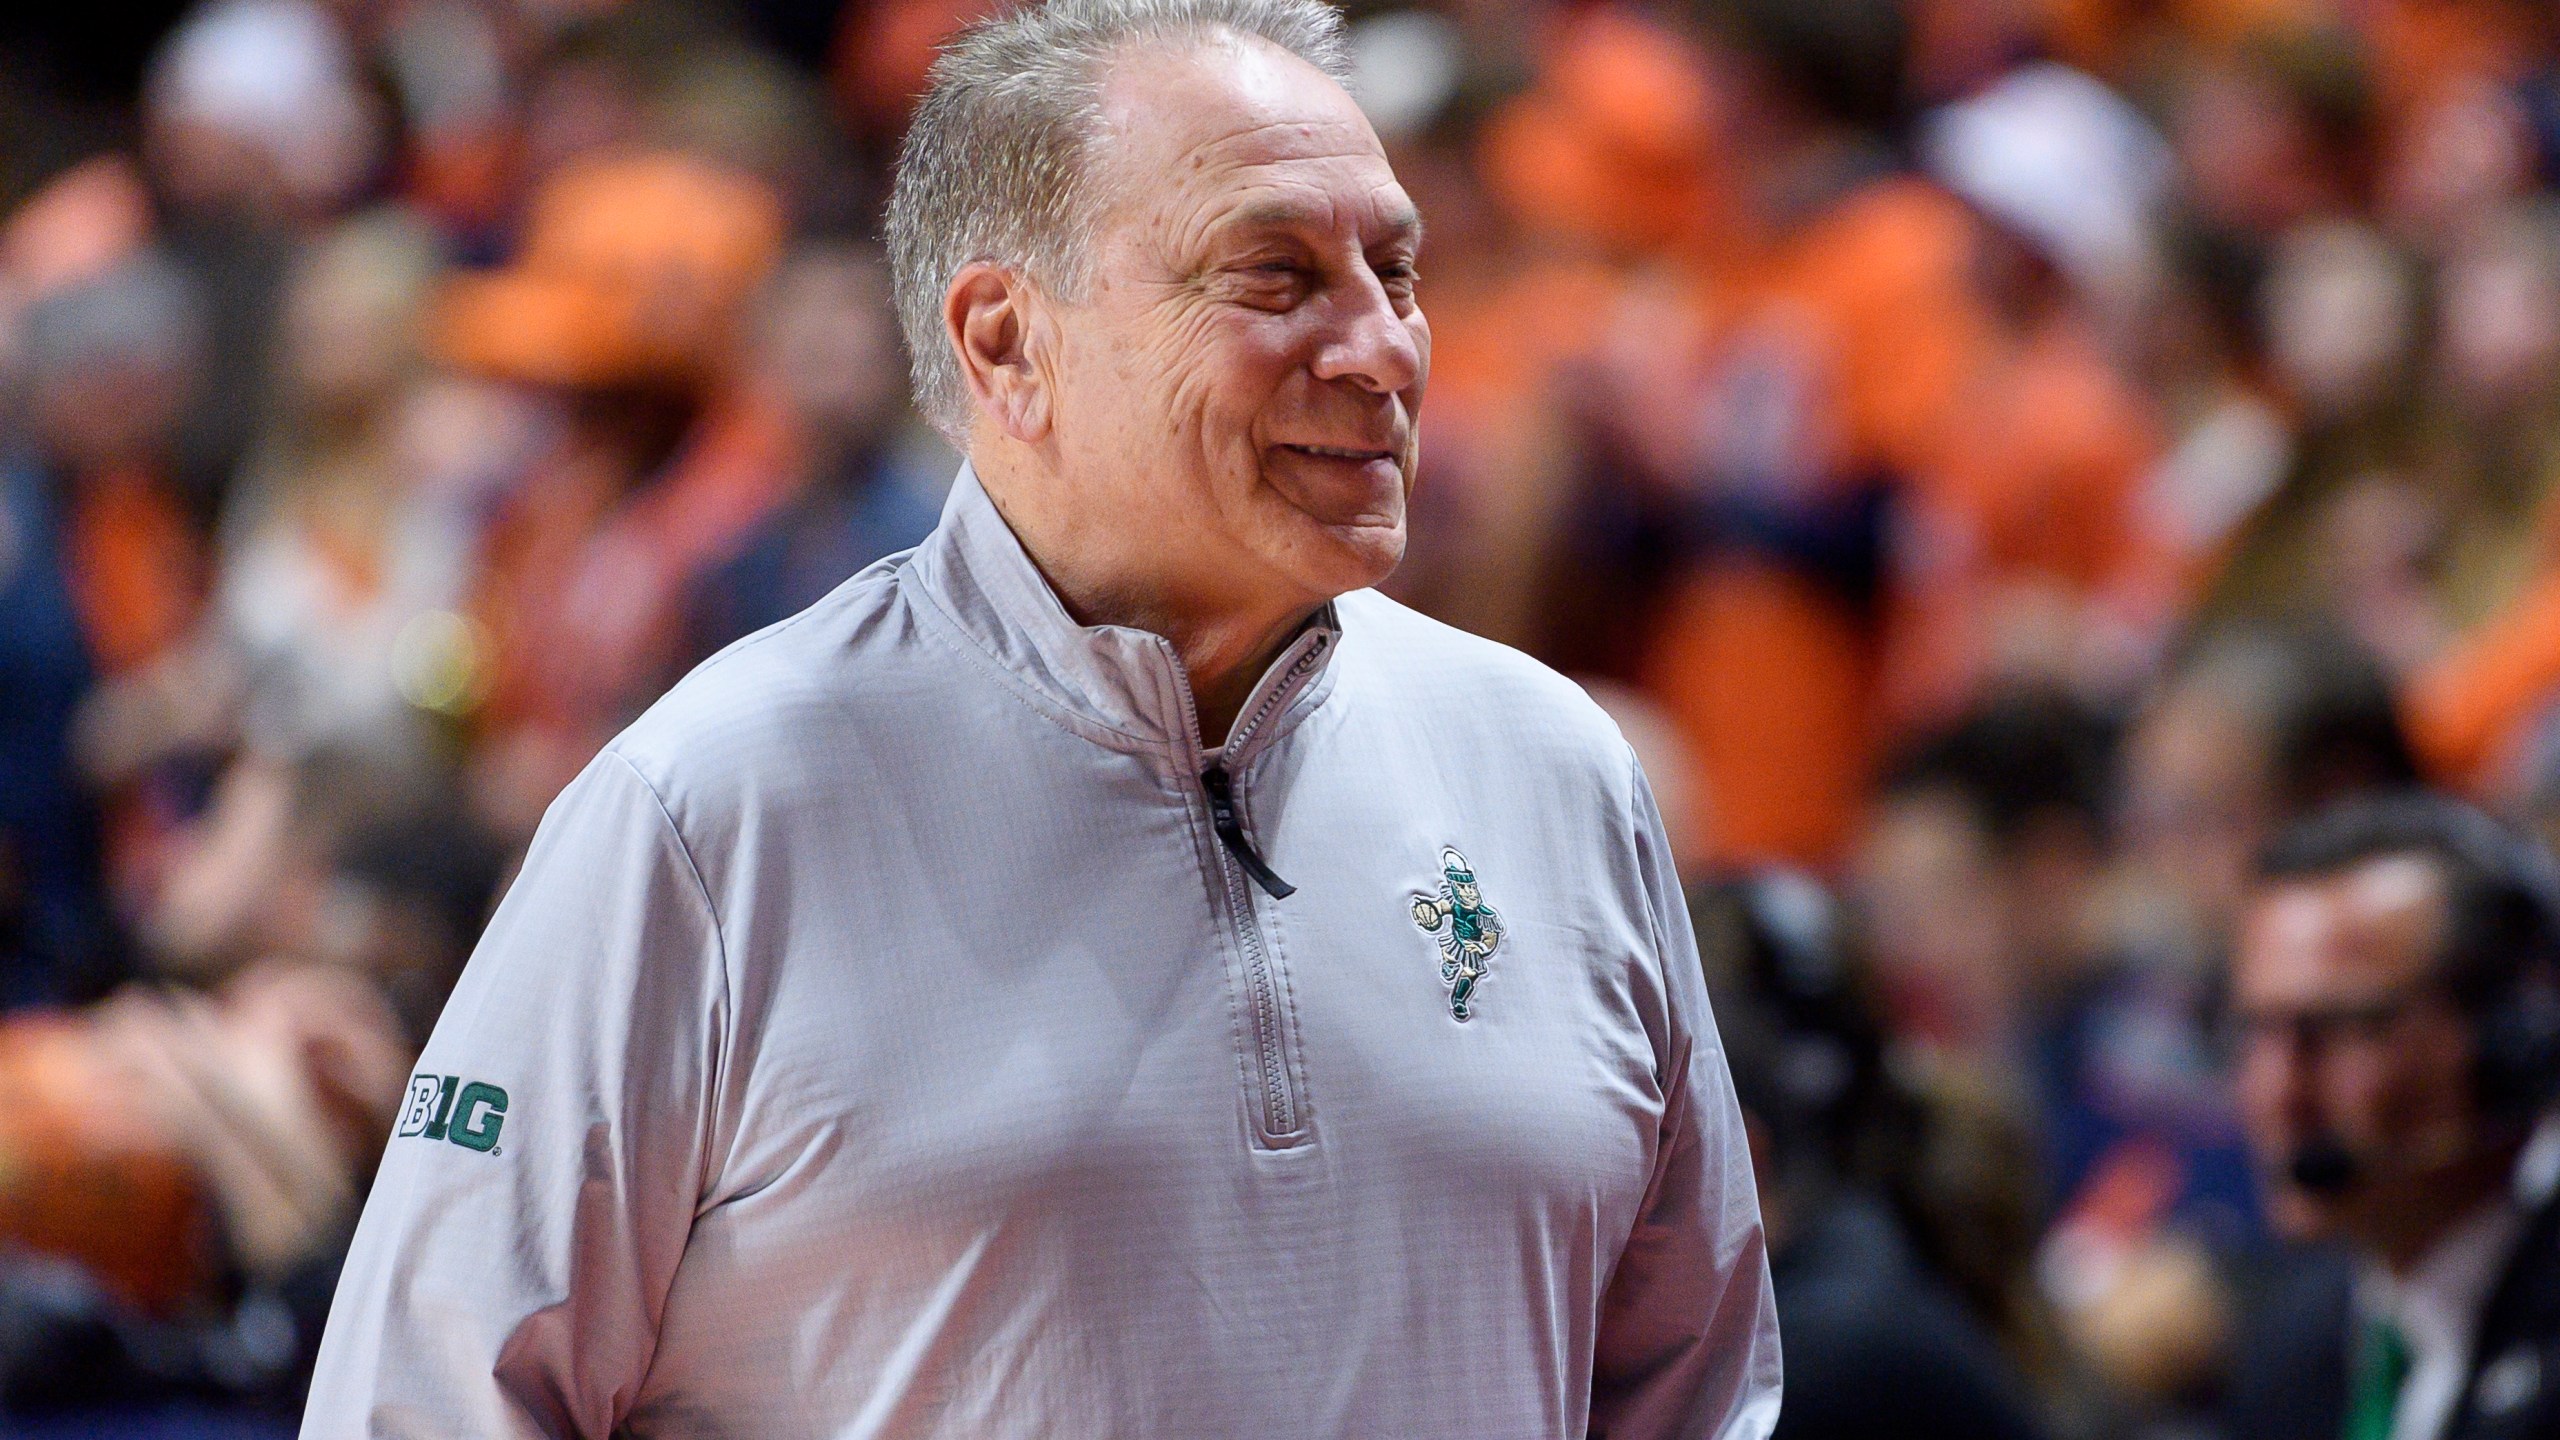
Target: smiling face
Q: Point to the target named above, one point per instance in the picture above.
(2346, 1037)
(1238, 382)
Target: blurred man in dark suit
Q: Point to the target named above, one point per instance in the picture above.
(2397, 1029)
(1882, 1342)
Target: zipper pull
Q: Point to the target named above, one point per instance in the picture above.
(1221, 790)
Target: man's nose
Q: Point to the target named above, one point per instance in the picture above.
(2282, 1071)
(1369, 342)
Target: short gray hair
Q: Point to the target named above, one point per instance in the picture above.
(995, 163)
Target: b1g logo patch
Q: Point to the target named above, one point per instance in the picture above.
(447, 1107)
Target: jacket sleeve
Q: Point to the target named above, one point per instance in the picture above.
(509, 1273)
(1688, 1340)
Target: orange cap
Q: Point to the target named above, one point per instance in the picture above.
(632, 270)
(1610, 144)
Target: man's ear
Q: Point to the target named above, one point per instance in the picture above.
(991, 316)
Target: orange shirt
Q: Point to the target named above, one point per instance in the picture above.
(583, 590)
(2035, 498)
(86, 1176)
(1497, 469)
(1837, 361)
(137, 568)
(2470, 710)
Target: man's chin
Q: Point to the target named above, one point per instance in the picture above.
(1342, 558)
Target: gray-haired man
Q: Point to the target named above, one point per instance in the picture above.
(1016, 997)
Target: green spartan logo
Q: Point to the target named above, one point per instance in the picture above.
(445, 1107)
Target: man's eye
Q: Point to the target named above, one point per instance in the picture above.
(1271, 283)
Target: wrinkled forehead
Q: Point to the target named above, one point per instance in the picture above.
(1220, 127)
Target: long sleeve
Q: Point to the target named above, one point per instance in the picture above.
(1688, 1341)
(513, 1261)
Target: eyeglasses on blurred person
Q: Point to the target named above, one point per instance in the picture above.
(2397, 1038)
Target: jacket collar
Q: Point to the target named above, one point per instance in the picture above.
(1115, 685)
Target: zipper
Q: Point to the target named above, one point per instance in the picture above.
(1240, 862)
(1271, 1046)
(1221, 790)
(1273, 692)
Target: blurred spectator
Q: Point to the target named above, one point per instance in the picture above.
(1547, 202)
(341, 556)
(255, 122)
(2273, 128)
(1834, 355)
(1984, 869)
(2229, 443)
(104, 572)
(2340, 308)
(256, 110)
(2496, 372)
(624, 311)
(2026, 549)
(2479, 703)
(1879, 1344)
(2397, 1012)
(81, 223)
(1985, 845)
(183, 1165)
(446, 66)
(111, 363)
(2481, 707)
(827, 345)
(2254, 728)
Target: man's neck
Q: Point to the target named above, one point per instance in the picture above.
(1225, 643)
(1223, 656)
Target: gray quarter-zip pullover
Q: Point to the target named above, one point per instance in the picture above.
(893, 1034)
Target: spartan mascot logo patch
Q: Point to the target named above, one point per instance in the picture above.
(1466, 927)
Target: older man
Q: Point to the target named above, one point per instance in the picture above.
(1021, 995)
(2399, 1037)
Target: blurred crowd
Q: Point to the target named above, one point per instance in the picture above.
(2003, 461)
